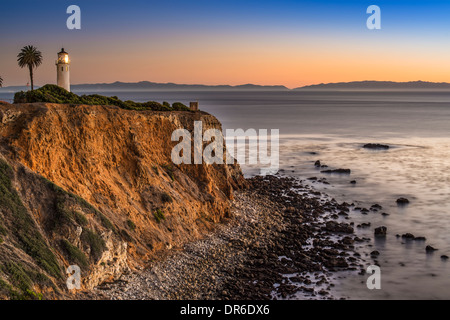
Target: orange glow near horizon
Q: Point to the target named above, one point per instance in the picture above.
(241, 60)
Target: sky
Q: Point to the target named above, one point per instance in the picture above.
(291, 43)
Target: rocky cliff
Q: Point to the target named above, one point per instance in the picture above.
(95, 186)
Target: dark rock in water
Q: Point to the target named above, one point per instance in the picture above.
(420, 238)
(402, 201)
(430, 249)
(312, 152)
(444, 257)
(364, 210)
(336, 263)
(384, 214)
(312, 178)
(353, 182)
(334, 226)
(348, 240)
(364, 225)
(408, 236)
(317, 163)
(380, 231)
(376, 206)
(376, 146)
(375, 253)
(323, 292)
(342, 171)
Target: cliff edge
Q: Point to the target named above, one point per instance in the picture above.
(94, 186)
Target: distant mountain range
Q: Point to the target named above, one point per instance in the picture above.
(377, 85)
(147, 85)
(153, 86)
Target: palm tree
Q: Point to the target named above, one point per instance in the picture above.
(31, 57)
(1, 81)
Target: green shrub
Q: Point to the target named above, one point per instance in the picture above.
(54, 94)
(74, 254)
(22, 279)
(178, 106)
(23, 225)
(95, 242)
(80, 218)
(106, 222)
(18, 276)
(159, 215)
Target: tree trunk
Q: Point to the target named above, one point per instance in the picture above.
(31, 76)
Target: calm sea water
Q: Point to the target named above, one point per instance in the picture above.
(335, 125)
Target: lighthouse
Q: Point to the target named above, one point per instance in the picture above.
(63, 70)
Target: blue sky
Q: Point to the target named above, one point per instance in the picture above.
(122, 32)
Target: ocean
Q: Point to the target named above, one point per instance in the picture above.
(332, 127)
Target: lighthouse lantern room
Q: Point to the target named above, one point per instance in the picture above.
(63, 70)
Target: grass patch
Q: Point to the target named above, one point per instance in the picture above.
(105, 222)
(75, 255)
(95, 242)
(18, 276)
(80, 218)
(63, 215)
(23, 279)
(159, 215)
(72, 214)
(169, 170)
(23, 225)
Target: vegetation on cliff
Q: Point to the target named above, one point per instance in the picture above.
(54, 94)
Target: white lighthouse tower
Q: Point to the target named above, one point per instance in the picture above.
(63, 70)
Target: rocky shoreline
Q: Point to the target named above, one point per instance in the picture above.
(285, 241)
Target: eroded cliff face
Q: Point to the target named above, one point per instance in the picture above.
(97, 186)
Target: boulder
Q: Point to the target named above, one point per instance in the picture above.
(376, 146)
(341, 171)
(402, 201)
(380, 231)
